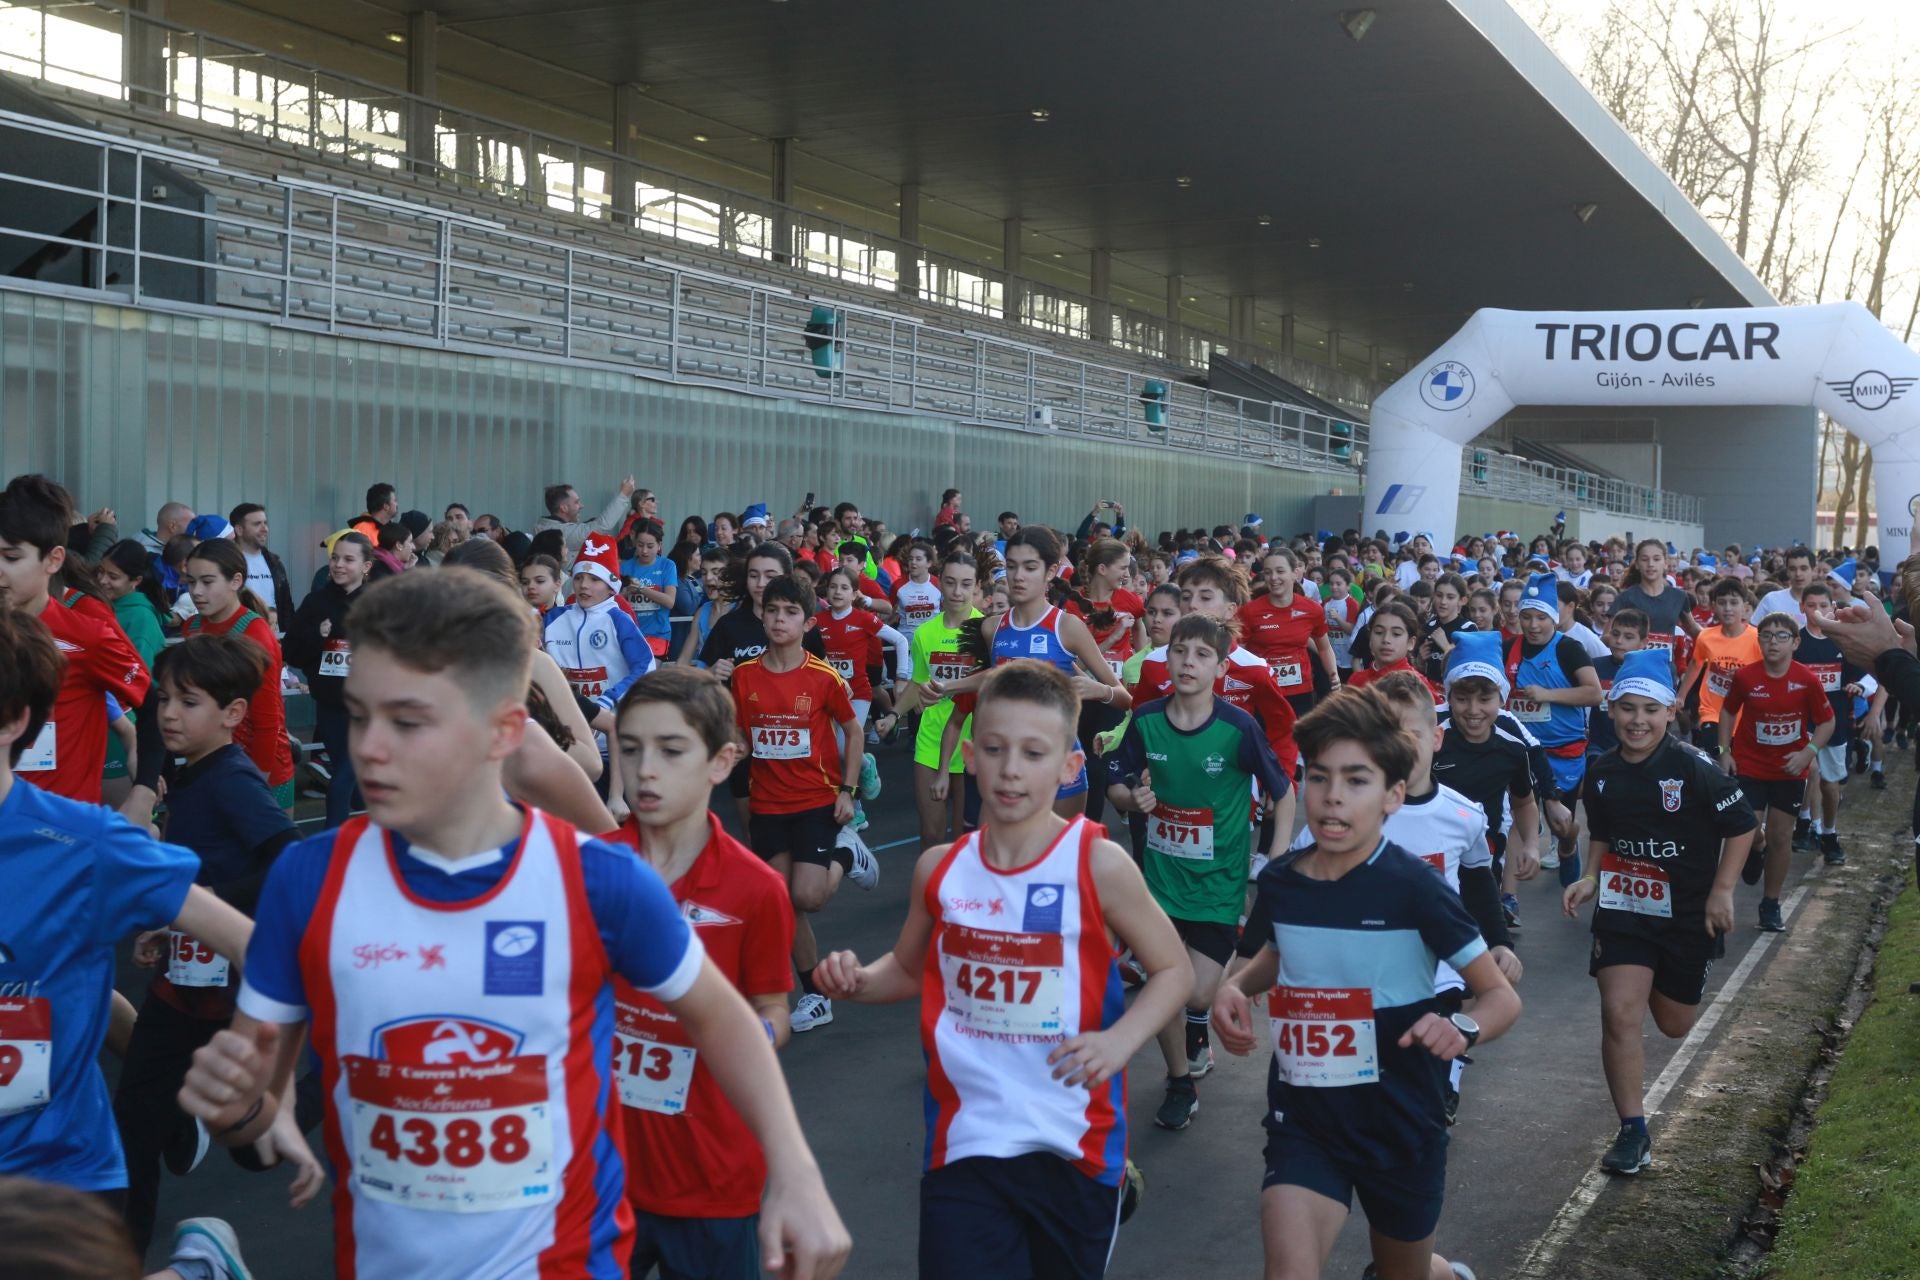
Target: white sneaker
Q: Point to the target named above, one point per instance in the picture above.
(1200, 1065)
(866, 868)
(1550, 859)
(812, 1011)
(212, 1241)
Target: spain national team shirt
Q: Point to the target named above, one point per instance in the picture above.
(67, 755)
(788, 719)
(1778, 715)
(80, 879)
(690, 1153)
(1284, 636)
(463, 1013)
(1357, 961)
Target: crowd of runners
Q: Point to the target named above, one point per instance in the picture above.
(517, 999)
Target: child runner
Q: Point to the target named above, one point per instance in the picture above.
(1667, 607)
(1114, 617)
(1784, 719)
(1626, 633)
(1287, 629)
(1163, 610)
(1355, 927)
(1490, 758)
(218, 806)
(216, 576)
(1340, 609)
(1391, 634)
(451, 955)
(848, 633)
(918, 596)
(1718, 652)
(597, 644)
(1010, 943)
(1449, 618)
(650, 579)
(1667, 835)
(1553, 685)
(695, 1172)
(794, 712)
(939, 655)
(540, 583)
(1187, 763)
(317, 643)
(1842, 682)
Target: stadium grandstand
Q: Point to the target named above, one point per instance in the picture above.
(285, 248)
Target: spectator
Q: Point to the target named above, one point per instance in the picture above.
(459, 521)
(383, 507)
(169, 524)
(440, 540)
(793, 535)
(420, 525)
(393, 552)
(755, 525)
(266, 575)
(489, 527)
(949, 508)
(563, 513)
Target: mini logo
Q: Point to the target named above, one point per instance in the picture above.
(1447, 386)
(1600, 785)
(1400, 499)
(803, 705)
(1871, 390)
(1670, 793)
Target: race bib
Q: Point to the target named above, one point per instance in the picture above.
(919, 613)
(1640, 888)
(192, 963)
(1527, 711)
(42, 755)
(1003, 984)
(1718, 682)
(1288, 674)
(772, 742)
(1181, 833)
(651, 1075)
(844, 666)
(26, 1053)
(1660, 640)
(948, 667)
(1829, 674)
(1777, 733)
(454, 1139)
(641, 604)
(1323, 1037)
(336, 658)
(1119, 666)
(588, 682)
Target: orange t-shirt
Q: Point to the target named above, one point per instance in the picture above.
(1720, 656)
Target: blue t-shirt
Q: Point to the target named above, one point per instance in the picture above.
(661, 576)
(220, 808)
(646, 937)
(79, 879)
(1380, 927)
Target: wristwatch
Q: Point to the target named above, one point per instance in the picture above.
(1465, 1026)
(847, 788)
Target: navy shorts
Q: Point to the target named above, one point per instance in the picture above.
(696, 1248)
(1402, 1203)
(1028, 1217)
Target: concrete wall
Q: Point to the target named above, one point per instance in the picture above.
(1752, 468)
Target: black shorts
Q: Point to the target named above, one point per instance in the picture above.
(1707, 738)
(1784, 794)
(807, 836)
(1208, 937)
(1026, 1215)
(1303, 702)
(1680, 961)
(1401, 1203)
(741, 779)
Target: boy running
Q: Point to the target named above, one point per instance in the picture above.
(696, 1172)
(1356, 1093)
(1187, 762)
(1667, 834)
(1553, 685)
(1718, 652)
(452, 956)
(1010, 944)
(939, 654)
(1842, 682)
(1784, 719)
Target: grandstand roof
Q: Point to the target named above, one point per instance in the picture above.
(1439, 161)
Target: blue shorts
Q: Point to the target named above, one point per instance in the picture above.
(696, 1248)
(1568, 773)
(1401, 1203)
(1029, 1217)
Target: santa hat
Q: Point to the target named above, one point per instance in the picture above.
(1478, 654)
(599, 558)
(1645, 673)
(1542, 595)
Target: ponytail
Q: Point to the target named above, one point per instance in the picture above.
(227, 558)
(131, 559)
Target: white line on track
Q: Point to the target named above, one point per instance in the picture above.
(1539, 1261)
(894, 844)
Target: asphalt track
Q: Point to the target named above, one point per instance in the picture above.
(1534, 1119)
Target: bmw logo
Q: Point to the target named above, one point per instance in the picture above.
(1447, 386)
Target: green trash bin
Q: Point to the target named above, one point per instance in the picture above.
(1153, 402)
(823, 341)
(1342, 439)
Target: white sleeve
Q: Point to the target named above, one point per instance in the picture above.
(902, 652)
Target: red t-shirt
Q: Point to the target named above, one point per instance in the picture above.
(263, 734)
(1246, 683)
(71, 749)
(1367, 675)
(1128, 609)
(689, 1154)
(1777, 718)
(788, 719)
(1283, 636)
(850, 644)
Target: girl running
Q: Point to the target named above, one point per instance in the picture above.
(216, 578)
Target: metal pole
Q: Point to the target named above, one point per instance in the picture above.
(139, 205)
(443, 245)
(333, 264)
(566, 337)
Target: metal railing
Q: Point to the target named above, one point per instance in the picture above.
(169, 67)
(316, 256)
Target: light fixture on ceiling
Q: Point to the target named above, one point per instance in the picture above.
(1313, 242)
(1357, 22)
(1265, 219)
(1056, 255)
(1040, 115)
(1183, 182)
(699, 137)
(1192, 299)
(397, 37)
(1585, 212)
(1696, 302)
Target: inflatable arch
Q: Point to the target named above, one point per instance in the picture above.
(1837, 358)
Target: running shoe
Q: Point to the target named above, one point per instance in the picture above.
(869, 778)
(1804, 840)
(1830, 849)
(1200, 1065)
(1132, 1191)
(1569, 869)
(1178, 1107)
(1631, 1152)
(860, 820)
(1878, 778)
(813, 1010)
(1756, 861)
(1550, 859)
(1453, 1106)
(186, 1145)
(212, 1241)
(865, 871)
(1771, 921)
(1510, 908)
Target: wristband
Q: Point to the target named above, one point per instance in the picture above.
(847, 788)
(253, 1113)
(768, 1024)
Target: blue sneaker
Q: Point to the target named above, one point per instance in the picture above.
(1510, 907)
(1569, 869)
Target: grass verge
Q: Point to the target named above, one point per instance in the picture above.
(1854, 1211)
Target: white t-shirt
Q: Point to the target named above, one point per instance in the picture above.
(1589, 639)
(259, 576)
(1780, 601)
